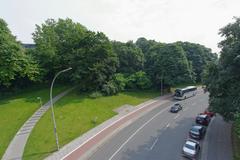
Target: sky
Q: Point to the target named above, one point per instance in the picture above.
(196, 21)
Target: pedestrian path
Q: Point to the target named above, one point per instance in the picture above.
(16, 147)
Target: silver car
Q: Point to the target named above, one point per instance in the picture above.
(191, 149)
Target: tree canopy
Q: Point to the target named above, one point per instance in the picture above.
(222, 79)
(98, 64)
(131, 58)
(63, 43)
(15, 65)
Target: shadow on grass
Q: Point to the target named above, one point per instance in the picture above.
(38, 154)
(25, 94)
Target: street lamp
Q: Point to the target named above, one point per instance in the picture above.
(51, 103)
(40, 101)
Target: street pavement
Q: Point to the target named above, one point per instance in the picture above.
(160, 135)
(217, 143)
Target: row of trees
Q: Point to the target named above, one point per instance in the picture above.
(98, 63)
(223, 78)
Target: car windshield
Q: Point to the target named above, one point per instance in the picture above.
(194, 129)
(189, 146)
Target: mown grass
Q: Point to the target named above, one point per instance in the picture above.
(74, 116)
(236, 143)
(15, 110)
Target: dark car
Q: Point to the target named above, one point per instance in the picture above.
(175, 108)
(197, 132)
(203, 119)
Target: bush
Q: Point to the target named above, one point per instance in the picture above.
(95, 94)
(139, 80)
(110, 88)
(120, 81)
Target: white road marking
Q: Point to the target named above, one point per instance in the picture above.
(176, 116)
(167, 125)
(153, 144)
(136, 132)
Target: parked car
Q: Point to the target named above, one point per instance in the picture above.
(197, 132)
(203, 119)
(175, 108)
(191, 149)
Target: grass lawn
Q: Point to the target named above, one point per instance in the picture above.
(15, 110)
(74, 114)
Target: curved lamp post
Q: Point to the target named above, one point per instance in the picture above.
(51, 103)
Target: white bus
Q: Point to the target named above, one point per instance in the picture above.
(185, 92)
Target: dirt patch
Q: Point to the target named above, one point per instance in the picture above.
(124, 109)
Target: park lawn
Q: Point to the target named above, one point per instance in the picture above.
(74, 116)
(15, 110)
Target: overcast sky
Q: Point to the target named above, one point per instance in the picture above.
(196, 21)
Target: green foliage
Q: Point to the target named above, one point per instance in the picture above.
(223, 78)
(95, 94)
(131, 58)
(14, 63)
(63, 43)
(120, 81)
(138, 80)
(110, 88)
(94, 63)
(168, 62)
(55, 42)
(199, 56)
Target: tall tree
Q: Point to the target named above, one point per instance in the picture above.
(199, 56)
(14, 63)
(223, 79)
(63, 43)
(131, 58)
(55, 41)
(169, 64)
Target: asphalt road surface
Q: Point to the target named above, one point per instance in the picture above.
(158, 135)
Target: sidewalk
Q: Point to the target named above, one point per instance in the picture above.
(16, 147)
(88, 142)
(217, 144)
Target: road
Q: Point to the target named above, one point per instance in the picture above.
(161, 135)
(157, 135)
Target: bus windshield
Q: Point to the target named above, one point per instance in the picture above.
(178, 93)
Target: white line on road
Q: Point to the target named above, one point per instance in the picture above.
(153, 144)
(167, 125)
(176, 116)
(136, 132)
